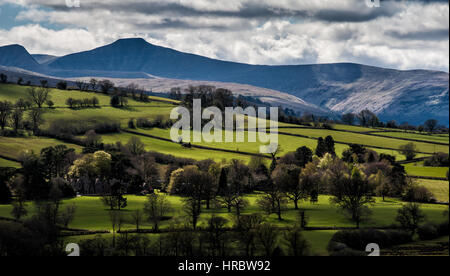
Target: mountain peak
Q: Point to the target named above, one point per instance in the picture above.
(131, 42)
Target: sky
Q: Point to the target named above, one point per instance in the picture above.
(399, 34)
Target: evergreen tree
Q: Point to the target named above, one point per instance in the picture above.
(329, 143)
(321, 148)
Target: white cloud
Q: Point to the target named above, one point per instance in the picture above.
(404, 35)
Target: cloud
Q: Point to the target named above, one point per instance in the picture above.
(399, 34)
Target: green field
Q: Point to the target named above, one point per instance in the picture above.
(367, 140)
(13, 147)
(416, 169)
(92, 215)
(8, 164)
(415, 136)
(439, 188)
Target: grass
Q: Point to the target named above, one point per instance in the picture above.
(415, 136)
(8, 164)
(92, 215)
(416, 169)
(440, 189)
(318, 240)
(367, 140)
(13, 147)
(177, 150)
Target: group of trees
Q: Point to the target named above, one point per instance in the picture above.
(12, 114)
(82, 103)
(367, 118)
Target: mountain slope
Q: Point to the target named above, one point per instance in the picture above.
(18, 56)
(411, 96)
(403, 95)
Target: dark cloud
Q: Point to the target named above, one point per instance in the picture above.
(437, 34)
(262, 11)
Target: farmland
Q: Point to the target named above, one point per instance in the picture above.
(92, 215)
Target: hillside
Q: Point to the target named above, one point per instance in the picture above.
(412, 96)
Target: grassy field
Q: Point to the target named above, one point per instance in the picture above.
(92, 215)
(415, 136)
(8, 164)
(318, 240)
(416, 169)
(439, 188)
(13, 147)
(368, 140)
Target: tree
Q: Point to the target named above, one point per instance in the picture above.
(145, 167)
(135, 146)
(246, 227)
(321, 148)
(368, 118)
(93, 83)
(50, 103)
(329, 145)
(267, 236)
(194, 182)
(71, 102)
(349, 118)
(431, 125)
(156, 207)
(410, 216)
(39, 95)
(62, 85)
(5, 192)
(115, 219)
(137, 217)
(217, 235)
(115, 101)
(16, 119)
(95, 102)
(115, 199)
(303, 156)
(3, 78)
(296, 244)
(274, 199)
(106, 86)
(286, 176)
(5, 113)
(19, 209)
(409, 151)
(36, 116)
(232, 187)
(352, 192)
(382, 185)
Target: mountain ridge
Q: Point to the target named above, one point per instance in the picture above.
(404, 95)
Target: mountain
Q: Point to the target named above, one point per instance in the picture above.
(412, 96)
(44, 59)
(17, 56)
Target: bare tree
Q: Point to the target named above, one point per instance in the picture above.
(5, 113)
(39, 96)
(36, 118)
(156, 207)
(137, 217)
(93, 83)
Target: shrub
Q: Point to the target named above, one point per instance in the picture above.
(428, 232)
(131, 124)
(358, 239)
(439, 159)
(416, 193)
